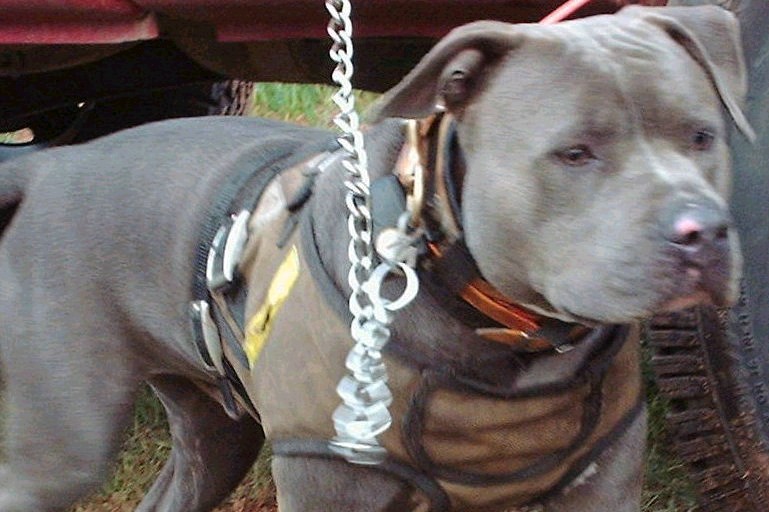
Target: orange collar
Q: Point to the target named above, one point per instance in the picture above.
(521, 329)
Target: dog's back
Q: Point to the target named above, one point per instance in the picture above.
(128, 207)
(96, 268)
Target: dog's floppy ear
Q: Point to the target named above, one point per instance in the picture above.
(449, 72)
(711, 36)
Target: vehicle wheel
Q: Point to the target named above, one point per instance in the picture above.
(231, 98)
(714, 376)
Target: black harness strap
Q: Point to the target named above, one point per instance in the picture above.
(608, 341)
(334, 296)
(221, 207)
(454, 158)
(439, 500)
(242, 190)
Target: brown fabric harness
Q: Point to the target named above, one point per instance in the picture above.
(461, 443)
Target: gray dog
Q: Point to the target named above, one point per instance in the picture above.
(574, 183)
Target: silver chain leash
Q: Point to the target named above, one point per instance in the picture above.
(363, 414)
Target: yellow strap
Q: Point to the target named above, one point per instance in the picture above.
(260, 325)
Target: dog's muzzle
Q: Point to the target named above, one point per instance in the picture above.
(698, 237)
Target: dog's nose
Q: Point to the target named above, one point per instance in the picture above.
(698, 232)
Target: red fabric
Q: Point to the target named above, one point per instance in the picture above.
(74, 21)
(651, 3)
(277, 19)
(112, 21)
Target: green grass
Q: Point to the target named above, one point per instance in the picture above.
(667, 487)
(145, 450)
(18, 137)
(300, 103)
(147, 444)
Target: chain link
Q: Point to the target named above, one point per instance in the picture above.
(363, 414)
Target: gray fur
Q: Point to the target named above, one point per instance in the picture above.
(96, 264)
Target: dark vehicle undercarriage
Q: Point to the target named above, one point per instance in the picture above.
(74, 70)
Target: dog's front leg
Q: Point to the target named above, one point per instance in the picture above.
(324, 485)
(210, 454)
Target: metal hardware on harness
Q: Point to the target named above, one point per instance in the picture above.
(397, 244)
(235, 244)
(416, 197)
(209, 344)
(209, 335)
(363, 414)
(226, 250)
(223, 258)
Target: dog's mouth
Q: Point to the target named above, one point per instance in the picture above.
(670, 288)
(698, 287)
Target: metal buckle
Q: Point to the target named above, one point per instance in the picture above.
(207, 337)
(208, 342)
(226, 252)
(416, 191)
(235, 244)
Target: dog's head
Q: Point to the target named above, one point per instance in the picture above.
(596, 152)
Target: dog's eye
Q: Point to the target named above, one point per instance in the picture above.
(576, 156)
(702, 140)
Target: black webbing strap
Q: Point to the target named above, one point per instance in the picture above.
(254, 175)
(242, 190)
(439, 500)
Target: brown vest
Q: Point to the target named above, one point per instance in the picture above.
(489, 450)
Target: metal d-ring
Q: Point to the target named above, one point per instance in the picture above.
(374, 288)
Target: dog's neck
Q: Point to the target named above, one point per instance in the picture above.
(430, 331)
(432, 170)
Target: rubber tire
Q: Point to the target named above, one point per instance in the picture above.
(231, 98)
(716, 386)
(713, 366)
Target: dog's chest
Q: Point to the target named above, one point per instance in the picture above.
(492, 453)
(486, 452)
